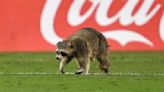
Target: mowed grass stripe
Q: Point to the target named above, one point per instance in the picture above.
(71, 73)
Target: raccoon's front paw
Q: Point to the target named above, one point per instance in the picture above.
(80, 71)
(61, 72)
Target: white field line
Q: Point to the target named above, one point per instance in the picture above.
(71, 73)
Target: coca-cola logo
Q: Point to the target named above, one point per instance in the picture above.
(128, 20)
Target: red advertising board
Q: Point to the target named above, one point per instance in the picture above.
(32, 25)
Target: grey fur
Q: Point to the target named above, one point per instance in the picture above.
(84, 45)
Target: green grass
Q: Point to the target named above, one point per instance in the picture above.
(138, 62)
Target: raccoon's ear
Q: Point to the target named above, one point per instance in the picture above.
(59, 43)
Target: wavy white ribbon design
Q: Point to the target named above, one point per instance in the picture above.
(126, 36)
(122, 36)
(47, 20)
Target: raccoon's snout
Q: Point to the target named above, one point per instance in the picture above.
(58, 58)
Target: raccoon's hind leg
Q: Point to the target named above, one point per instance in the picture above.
(103, 62)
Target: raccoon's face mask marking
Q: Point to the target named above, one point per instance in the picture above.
(62, 53)
(64, 49)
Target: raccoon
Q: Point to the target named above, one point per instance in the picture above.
(84, 45)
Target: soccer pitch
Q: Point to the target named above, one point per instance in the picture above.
(37, 72)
